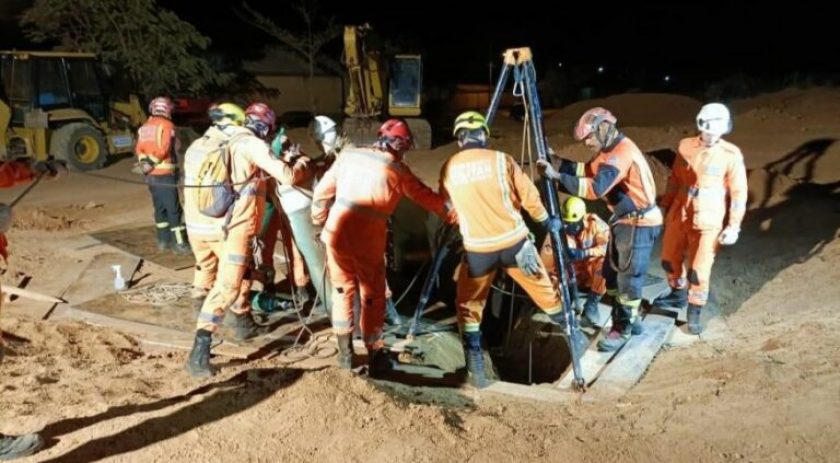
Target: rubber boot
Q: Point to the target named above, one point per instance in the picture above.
(345, 351)
(475, 360)
(620, 331)
(198, 364)
(636, 327)
(164, 239)
(12, 447)
(694, 326)
(591, 315)
(247, 328)
(379, 363)
(677, 298)
(182, 246)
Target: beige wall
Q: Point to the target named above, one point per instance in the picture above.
(294, 95)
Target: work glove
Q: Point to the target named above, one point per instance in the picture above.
(547, 169)
(729, 236)
(576, 254)
(528, 259)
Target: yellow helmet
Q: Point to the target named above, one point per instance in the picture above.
(470, 120)
(226, 114)
(573, 210)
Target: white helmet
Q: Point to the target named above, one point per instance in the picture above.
(714, 119)
(325, 132)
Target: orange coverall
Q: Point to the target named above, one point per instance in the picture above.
(249, 155)
(488, 189)
(593, 239)
(353, 202)
(696, 201)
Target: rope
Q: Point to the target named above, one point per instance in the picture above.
(526, 138)
(157, 294)
(178, 185)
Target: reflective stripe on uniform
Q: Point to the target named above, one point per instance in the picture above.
(238, 259)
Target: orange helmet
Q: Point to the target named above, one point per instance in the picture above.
(161, 106)
(590, 120)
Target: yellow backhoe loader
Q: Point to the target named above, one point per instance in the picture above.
(54, 103)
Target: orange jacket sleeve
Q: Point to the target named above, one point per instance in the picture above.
(528, 194)
(324, 195)
(420, 193)
(736, 180)
(674, 185)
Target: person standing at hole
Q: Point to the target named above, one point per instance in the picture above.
(706, 171)
(620, 175)
(353, 202)
(489, 191)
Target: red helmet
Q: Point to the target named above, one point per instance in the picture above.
(590, 120)
(395, 134)
(161, 106)
(260, 118)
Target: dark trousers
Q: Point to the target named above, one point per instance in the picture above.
(626, 268)
(168, 212)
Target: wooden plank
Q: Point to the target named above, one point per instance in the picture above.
(538, 393)
(635, 357)
(97, 279)
(593, 360)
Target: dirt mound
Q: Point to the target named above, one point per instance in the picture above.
(634, 110)
(42, 219)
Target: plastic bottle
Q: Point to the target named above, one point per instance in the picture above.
(119, 281)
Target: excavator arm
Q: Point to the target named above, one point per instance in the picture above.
(365, 105)
(365, 92)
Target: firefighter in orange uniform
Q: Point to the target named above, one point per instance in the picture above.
(157, 151)
(620, 174)
(706, 170)
(489, 190)
(353, 202)
(249, 155)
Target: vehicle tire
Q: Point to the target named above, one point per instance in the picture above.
(81, 145)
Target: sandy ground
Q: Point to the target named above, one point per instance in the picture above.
(771, 392)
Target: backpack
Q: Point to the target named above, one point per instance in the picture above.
(214, 194)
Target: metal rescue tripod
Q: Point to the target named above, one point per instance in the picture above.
(520, 60)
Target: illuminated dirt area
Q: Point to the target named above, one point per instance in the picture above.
(767, 391)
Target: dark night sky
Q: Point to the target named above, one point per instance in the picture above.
(460, 38)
